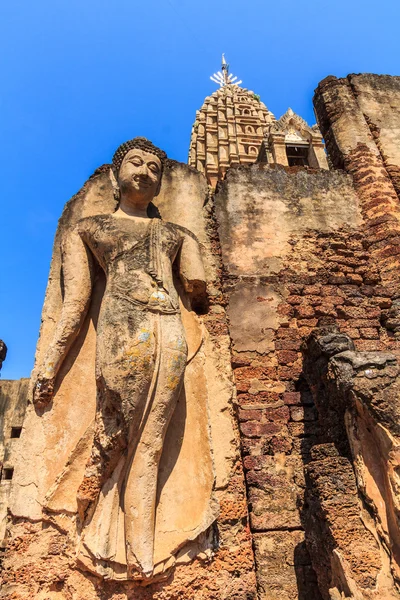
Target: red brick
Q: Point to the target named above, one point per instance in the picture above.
(254, 429)
(358, 323)
(313, 300)
(287, 357)
(326, 310)
(292, 372)
(281, 444)
(305, 331)
(367, 290)
(330, 290)
(347, 261)
(240, 361)
(349, 290)
(295, 288)
(288, 344)
(369, 333)
(243, 386)
(374, 313)
(262, 478)
(355, 301)
(254, 463)
(287, 332)
(250, 414)
(313, 290)
(307, 323)
(304, 311)
(276, 415)
(291, 398)
(261, 397)
(352, 332)
(388, 290)
(371, 278)
(352, 312)
(383, 302)
(249, 372)
(338, 279)
(284, 309)
(357, 312)
(294, 300)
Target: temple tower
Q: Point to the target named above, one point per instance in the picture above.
(229, 128)
(234, 127)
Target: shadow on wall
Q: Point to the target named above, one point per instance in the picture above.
(306, 577)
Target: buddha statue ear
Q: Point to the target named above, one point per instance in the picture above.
(115, 186)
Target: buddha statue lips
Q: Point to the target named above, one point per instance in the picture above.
(141, 357)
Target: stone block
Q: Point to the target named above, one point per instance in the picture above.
(284, 566)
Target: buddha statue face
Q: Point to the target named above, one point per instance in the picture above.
(139, 176)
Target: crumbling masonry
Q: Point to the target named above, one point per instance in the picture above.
(301, 251)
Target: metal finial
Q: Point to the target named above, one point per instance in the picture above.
(224, 78)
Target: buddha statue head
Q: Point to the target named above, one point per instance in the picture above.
(137, 169)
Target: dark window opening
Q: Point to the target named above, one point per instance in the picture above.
(8, 474)
(16, 432)
(297, 156)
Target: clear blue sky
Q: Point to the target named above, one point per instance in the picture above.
(78, 77)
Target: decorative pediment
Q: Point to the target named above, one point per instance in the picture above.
(294, 127)
(293, 136)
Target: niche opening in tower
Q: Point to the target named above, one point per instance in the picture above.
(297, 155)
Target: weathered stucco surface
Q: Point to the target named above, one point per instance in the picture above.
(259, 208)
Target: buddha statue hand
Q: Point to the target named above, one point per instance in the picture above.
(43, 390)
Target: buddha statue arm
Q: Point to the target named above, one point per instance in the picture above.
(192, 275)
(77, 268)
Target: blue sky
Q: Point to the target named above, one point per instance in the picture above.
(78, 77)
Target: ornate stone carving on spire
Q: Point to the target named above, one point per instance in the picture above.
(229, 128)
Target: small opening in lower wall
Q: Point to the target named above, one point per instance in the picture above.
(7, 474)
(16, 432)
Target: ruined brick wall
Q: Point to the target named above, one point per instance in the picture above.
(293, 254)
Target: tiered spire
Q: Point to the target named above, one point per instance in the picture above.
(224, 78)
(229, 128)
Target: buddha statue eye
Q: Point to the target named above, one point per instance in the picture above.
(153, 167)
